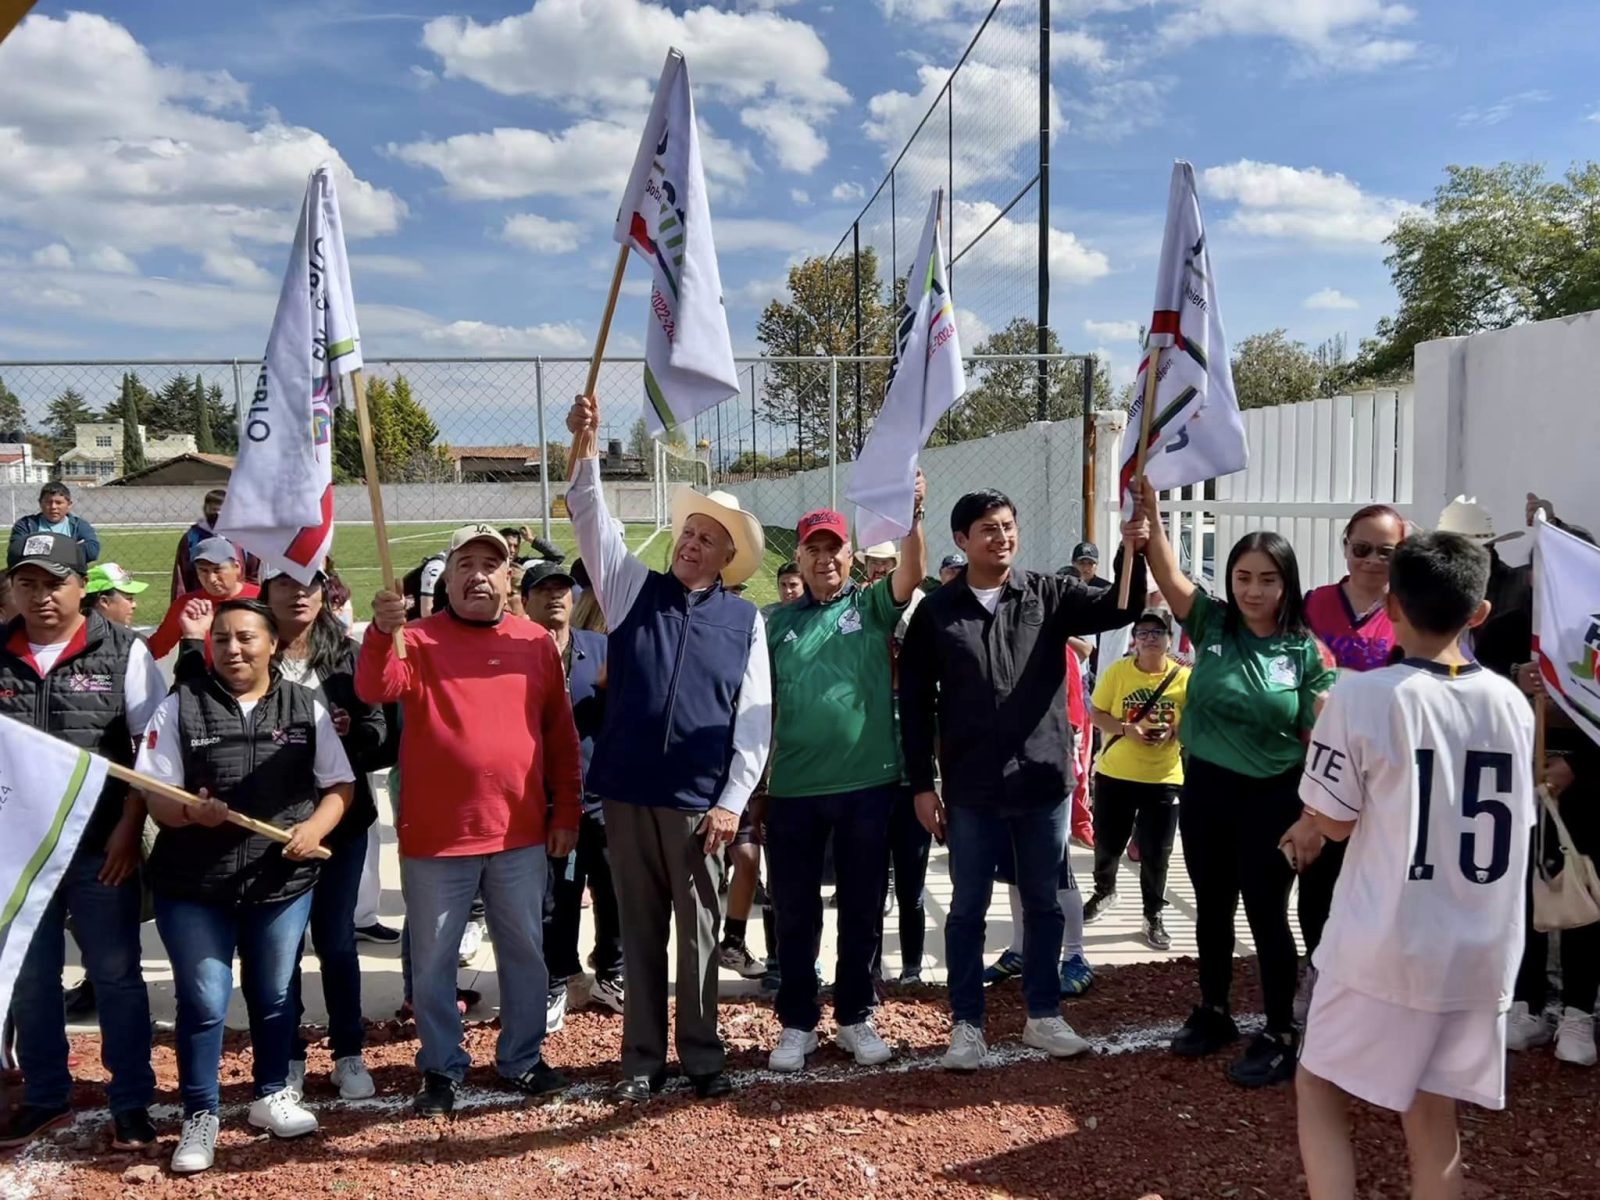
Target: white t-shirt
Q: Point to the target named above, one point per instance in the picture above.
(988, 597)
(143, 688)
(429, 579)
(160, 755)
(298, 670)
(1436, 769)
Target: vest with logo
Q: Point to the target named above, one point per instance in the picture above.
(262, 766)
(673, 670)
(83, 701)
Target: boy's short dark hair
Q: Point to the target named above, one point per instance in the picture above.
(55, 488)
(1438, 580)
(976, 505)
(789, 568)
(511, 531)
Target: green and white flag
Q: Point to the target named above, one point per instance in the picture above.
(48, 789)
(666, 219)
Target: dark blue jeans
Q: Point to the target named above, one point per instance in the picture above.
(105, 921)
(798, 830)
(200, 941)
(333, 936)
(981, 840)
(909, 844)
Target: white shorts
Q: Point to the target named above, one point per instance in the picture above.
(1385, 1053)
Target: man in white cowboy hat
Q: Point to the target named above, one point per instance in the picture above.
(687, 727)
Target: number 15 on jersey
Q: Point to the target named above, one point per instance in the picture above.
(1484, 789)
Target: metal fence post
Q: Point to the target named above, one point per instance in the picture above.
(1042, 322)
(1089, 448)
(833, 432)
(544, 449)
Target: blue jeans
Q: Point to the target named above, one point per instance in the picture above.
(981, 839)
(333, 936)
(201, 940)
(105, 921)
(439, 894)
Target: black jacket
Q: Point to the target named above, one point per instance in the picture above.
(989, 692)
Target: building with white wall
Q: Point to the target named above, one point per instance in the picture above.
(97, 455)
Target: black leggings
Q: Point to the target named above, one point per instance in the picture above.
(909, 843)
(1580, 948)
(1231, 826)
(1316, 892)
(1146, 812)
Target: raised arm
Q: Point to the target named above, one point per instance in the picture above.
(913, 568)
(616, 575)
(1177, 587)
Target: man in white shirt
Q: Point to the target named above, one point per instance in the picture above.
(687, 727)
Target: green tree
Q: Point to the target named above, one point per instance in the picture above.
(223, 417)
(12, 419)
(204, 441)
(1270, 369)
(131, 389)
(170, 410)
(132, 443)
(1005, 395)
(555, 460)
(1495, 247)
(403, 437)
(62, 417)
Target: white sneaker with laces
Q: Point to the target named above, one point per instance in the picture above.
(1526, 1030)
(790, 1052)
(471, 943)
(1054, 1036)
(862, 1040)
(295, 1081)
(281, 1115)
(555, 1009)
(1575, 1039)
(197, 1145)
(351, 1077)
(967, 1048)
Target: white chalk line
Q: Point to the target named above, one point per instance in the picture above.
(41, 1162)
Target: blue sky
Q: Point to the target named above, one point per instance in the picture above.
(152, 156)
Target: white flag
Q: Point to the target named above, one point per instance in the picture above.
(1196, 432)
(48, 789)
(926, 378)
(280, 499)
(1566, 622)
(688, 355)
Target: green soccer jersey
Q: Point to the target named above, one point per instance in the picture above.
(835, 729)
(1250, 698)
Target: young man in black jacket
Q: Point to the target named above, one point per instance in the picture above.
(982, 678)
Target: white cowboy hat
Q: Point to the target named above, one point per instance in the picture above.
(1470, 519)
(882, 550)
(749, 540)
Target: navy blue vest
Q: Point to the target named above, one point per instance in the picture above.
(673, 669)
(587, 693)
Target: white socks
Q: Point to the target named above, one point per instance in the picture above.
(1014, 894)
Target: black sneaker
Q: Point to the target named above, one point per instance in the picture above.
(1098, 905)
(1269, 1059)
(377, 933)
(711, 1087)
(132, 1130)
(436, 1097)
(1205, 1032)
(80, 1001)
(1156, 935)
(539, 1080)
(632, 1091)
(29, 1121)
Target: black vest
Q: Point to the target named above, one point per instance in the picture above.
(82, 701)
(260, 766)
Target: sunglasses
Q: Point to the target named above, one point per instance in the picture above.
(1367, 550)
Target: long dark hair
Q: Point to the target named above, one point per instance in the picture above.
(1292, 609)
(325, 642)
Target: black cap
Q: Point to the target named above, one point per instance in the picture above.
(1085, 550)
(543, 572)
(55, 552)
(953, 560)
(1155, 616)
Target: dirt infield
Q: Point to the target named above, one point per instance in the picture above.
(1130, 1122)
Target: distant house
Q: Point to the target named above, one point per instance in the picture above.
(97, 456)
(17, 464)
(496, 464)
(212, 470)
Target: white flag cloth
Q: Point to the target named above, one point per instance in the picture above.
(1196, 432)
(280, 498)
(665, 217)
(48, 790)
(1566, 622)
(926, 378)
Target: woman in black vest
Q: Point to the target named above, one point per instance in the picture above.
(242, 739)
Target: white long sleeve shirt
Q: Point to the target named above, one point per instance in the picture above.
(617, 577)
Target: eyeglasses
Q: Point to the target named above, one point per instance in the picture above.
(1367, 550)
(1149, 635)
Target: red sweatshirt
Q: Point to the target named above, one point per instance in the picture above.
(165, 639)
(487, 740)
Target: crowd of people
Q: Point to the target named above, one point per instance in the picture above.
(646, 742)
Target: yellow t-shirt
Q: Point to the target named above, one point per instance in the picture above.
(1122, 690)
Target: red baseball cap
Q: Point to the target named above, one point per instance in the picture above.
(823, 520)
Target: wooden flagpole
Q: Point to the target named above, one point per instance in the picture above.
(1145, 415)
(369, 464)
(605, 321)
(146, 783)
(11, 14)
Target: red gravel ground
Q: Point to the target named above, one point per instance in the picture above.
(1135, 1125)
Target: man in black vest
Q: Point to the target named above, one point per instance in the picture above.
(94, 684)
(687, 727)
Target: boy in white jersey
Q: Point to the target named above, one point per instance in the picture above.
(1426, 767)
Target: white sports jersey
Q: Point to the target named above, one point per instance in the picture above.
(1435, 766)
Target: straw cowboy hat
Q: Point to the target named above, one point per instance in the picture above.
(749, 540)
(882, 550)
(1470, 519)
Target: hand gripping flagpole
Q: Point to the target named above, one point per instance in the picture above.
(1150, 383)
(380, 527)
(147, 783)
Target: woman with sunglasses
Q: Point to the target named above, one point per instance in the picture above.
(1349, 618)
(1258, 680)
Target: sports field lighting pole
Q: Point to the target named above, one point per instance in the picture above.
(544, 449)
(1043, 331)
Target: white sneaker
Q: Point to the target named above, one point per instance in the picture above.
(862, 1040)
(1302, 995)
(555, 1009)
(967, 1048)
(471, 943)
(351, 1077)
(1054, 1036)
(281, 1115)
(1525, 1030)
(1575, 1039)
(790, 1052)
(197, 1145)
(295, 1081)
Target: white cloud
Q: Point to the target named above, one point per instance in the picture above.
(234, 268)
(541, 234)
(1501, 110)
(1079, 48)
(799, 196)
(736, 234)
(972, 329)
(1330, 298)
(849, 190)
(1109, 110)
(1014, 246)
(1113, 331)
(477, 337)
(109, 258)
(53, 255)
(1594, 116)
(794, 142)
(396, 266)
(758, 293)
(1350, 35)
(1308, 205)
(105, 147)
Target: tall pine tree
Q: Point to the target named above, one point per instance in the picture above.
(203, 440)
(132, 444)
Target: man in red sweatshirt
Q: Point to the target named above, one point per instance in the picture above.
(486, 745)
